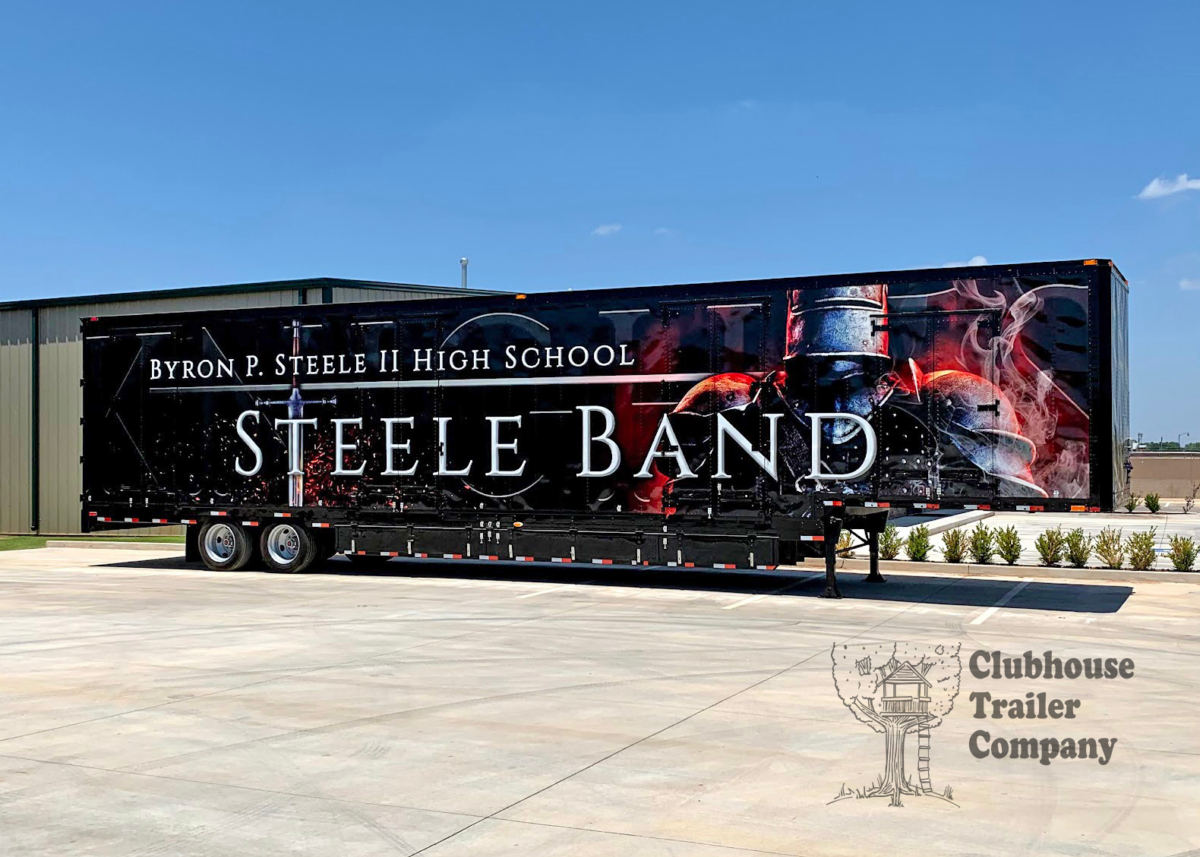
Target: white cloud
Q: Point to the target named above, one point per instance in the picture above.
(973, 262)
(1166, 187)
(663, 230)
(607, 229)
(1190, 285)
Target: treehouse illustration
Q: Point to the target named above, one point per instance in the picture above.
(897, 689)
(905, 692)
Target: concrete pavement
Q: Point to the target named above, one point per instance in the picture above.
(154, 708)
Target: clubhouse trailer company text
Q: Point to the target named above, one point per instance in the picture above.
(1037, 706)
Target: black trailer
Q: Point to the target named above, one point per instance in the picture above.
(727, 425)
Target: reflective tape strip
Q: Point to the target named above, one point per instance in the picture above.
(283, 514)
(560, 559)
(188, 521)
(488, 556)
(926, 506)
(979, 506)
(159, 520)
(689, 565)
(1079, 508)
(132, 521)
(104, 519)
(873, 505)
(724, 565)
(833, 503)
(1093, 508)
(361, 553)
(218, 514)
(1031, 508)
(765, 567)
(812, 538)
(602, 562)
(524, 559)
(93, 514)
(348, 553)
(249, 523)
(672, 564)
(389, 553)
(421, 555)
(321, 526)
(451, 556)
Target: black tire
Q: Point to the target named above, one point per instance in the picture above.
(224, 545)
(255, 563)
(288, 547)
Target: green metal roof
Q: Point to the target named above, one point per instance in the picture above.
(242, 288)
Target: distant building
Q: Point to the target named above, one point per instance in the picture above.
(40, 399)
(1170, 475)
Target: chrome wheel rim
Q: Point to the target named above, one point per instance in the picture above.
(283, 545)
(220, 543)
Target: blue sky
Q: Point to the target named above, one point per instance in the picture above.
(565, 144)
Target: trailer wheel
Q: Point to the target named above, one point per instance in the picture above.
(288, 548)
(224, 546)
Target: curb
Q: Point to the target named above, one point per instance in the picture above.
(952, 522)
(117, 546)
(1016, 572)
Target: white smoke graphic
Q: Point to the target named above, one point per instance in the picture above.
(1030, 394)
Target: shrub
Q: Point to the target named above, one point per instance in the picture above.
(1110, 547)
(1183, 553)
(1190, 500)
(1078, 548)
(954, 545)
(843, 545)
(917, 545)
(890, 542)
(1140, 547)
(1008, 544)
(1050, 546)
(1152, 503)
(982, 544)
(1132, 503)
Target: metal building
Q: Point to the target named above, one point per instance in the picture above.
(40, 399)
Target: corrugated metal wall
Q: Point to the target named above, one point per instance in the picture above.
(343, 295)
(61, 399)
(15, 419)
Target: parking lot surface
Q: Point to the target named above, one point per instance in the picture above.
(150, 707)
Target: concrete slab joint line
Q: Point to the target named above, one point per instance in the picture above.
(1004, 599)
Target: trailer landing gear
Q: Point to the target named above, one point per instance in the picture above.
(873, 576)
(833, 531)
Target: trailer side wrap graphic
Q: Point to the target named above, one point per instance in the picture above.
(704, 401)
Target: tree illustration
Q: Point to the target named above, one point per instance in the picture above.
(897, 688)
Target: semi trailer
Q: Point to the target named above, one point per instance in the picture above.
(717, 425)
